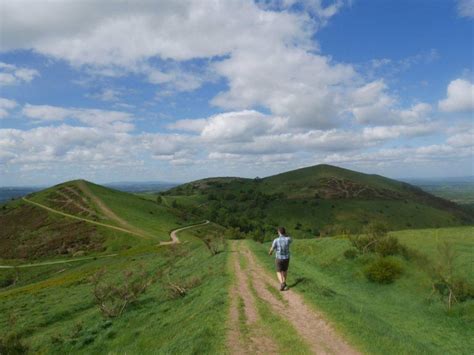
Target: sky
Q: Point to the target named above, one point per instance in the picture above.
(175, 91)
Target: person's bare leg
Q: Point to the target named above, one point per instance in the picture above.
(284, 273)
(280, 276)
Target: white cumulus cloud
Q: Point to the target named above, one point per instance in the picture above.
(460, 97)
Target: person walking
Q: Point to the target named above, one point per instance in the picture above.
(281, 246)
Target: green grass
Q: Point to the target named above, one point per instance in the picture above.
(156, 323)
(427, 241)
(400, 318)
(145, 214)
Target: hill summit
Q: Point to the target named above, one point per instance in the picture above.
(321, 199)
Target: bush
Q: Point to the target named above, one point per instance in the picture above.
(350, 254)
(388, 246)
(181, 288)
(113, 297)
(376, 240)
(214, 241)
(383, 271)
(450, 287)
(257, 236)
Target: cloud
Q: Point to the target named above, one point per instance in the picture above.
(371, 104)
(5, 106)
(465, 8)
(290, 81)
(64, 143)
(460, 97)
(114, 120)
(189, 125)
(267, 57)
(463, 139)
(237, 126)
(108, 95)
(11, 74)
(125, 33)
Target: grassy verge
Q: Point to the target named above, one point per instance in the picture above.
(398, 318)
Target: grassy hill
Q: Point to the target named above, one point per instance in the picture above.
(79, 218)
(54, 242)
(317, 200)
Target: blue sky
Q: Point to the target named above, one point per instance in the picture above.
(176, 91)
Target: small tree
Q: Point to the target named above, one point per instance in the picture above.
(450, 287)
(214, 242)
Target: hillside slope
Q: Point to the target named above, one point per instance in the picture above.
(322, 199)
(79, 217)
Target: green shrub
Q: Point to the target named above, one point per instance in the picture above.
(383, 271)
(350, 254)
(388, 246)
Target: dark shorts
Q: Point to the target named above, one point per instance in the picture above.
(282, 264)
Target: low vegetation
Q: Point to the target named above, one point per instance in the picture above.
(188, 323)
(383, 270)
(113, 296)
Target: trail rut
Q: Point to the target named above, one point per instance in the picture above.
(309, 324)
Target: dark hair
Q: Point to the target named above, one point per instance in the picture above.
(282, 230)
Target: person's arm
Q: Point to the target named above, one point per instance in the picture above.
(271, 248)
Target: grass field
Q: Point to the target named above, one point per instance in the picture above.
(157, 323)
(400, 318)
(51, 308)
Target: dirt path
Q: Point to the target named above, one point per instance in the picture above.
(245, 333)
(85, 219)
(174, 233)
(310, 325)
(107, 211)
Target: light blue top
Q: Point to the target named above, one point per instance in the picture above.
(282, 247)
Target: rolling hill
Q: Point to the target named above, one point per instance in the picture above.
(77, 218)
(199, 301)
(318, 200)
